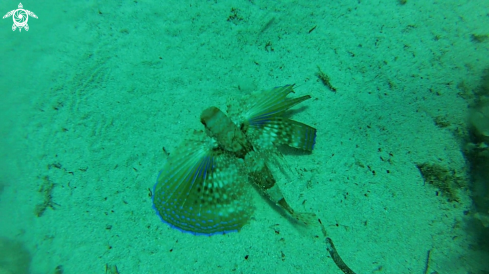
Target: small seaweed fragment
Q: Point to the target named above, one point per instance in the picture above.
(269, 47)
(336, 257)
(59, 270)
(441, 121)
(478, 38)
(333, 252)
(325, 79)
(234, 17)
(46, 190)
(111, 269)
(267, 25)
(427, 264)
(443, 179)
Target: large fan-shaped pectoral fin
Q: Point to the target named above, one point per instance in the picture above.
(202, 191)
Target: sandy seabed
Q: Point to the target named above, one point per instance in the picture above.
(94, 91)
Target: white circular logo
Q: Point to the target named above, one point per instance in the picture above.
(20, 18)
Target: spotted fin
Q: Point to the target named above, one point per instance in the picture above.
(200, 190)
(269, 125)
(282, 131)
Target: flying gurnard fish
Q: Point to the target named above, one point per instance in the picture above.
(204, 186)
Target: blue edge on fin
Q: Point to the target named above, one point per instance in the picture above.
(177, 228)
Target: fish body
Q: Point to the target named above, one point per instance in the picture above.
(204, 189)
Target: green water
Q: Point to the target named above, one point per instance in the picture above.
(96, 94)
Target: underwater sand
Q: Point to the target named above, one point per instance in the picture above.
(93, 91)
